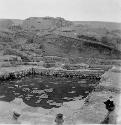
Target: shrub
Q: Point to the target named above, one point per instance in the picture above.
(48, 65)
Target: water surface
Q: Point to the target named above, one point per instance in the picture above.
(46, 92)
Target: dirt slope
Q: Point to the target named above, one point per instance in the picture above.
(58, 37)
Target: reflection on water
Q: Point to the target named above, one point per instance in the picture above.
(46, 92)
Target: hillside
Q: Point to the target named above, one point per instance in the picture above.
(48, 36)
(45, 23)
(99, 24)
(5, 23)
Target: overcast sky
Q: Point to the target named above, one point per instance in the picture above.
(96, 10)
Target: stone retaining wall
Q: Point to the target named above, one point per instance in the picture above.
(92, 74)
(16, 74)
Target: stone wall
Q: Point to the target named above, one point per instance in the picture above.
(92, 74)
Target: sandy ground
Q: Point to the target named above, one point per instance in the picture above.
(30, 115)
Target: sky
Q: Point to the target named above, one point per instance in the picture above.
(74, 10)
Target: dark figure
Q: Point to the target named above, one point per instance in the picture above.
(109, 105)
(16, 115)
(109, 119)
(59, 119)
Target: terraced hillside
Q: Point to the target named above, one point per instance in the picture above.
(48, 36)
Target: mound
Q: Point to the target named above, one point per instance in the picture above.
(45, 23)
